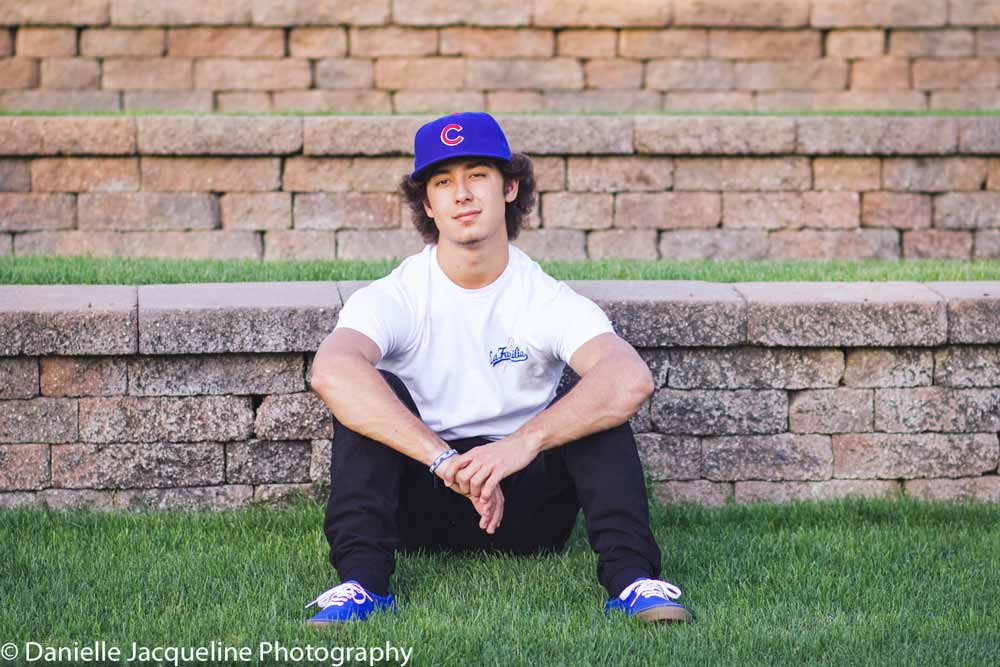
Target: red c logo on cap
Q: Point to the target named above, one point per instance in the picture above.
(449, 141)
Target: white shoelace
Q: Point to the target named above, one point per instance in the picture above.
(649, 587)
(340, 594)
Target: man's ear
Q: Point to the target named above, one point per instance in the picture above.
(511, 193)
(427, 208)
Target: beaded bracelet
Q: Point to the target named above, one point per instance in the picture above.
(441, 458)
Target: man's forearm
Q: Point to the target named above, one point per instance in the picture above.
(362, 401)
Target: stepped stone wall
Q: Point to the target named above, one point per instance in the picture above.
(642, 186)
(406, 56)
(197, 395)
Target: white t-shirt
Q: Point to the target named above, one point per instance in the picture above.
(477, 362)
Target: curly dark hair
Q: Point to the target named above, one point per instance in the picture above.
(520, 167)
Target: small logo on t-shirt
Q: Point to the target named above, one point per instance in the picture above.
(508, 352)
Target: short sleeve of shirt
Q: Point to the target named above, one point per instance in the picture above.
(380, 312)
(578, 319)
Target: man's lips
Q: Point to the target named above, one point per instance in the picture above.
(468, 215)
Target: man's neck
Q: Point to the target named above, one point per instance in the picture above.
(473, 268)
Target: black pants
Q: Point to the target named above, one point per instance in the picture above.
(382, 501)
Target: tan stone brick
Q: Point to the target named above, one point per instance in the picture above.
(690, 74)
(147, 210)
(511, 101)
(362, 101)
(147, 74)
(890, 455)
(550, 173)
(747, 367)
(247, 102)
(586, 43)
(344, 73)
(420, 73)
(307, 174)
(85, 174)
(378, 244)
(694, 101)
(888, 367)
(820, 74)
(226, 135)
(553, 244)
(742, 13)
(173, 419)
(496, 43)
(993, 174)
(684, 244)
(987, 42)
(852, 174)
(601, 13)
(934, 174)
(666, 457)
(979, 134)
(967, 210)
(74, 101)
(70, 74)
(24, 467)
(831, 489)
(444, 12)
(570, 136)
(347, 210)
(24, 212)
(855, 43)
(695, 492)
(265, 210)
(613, 74)
(955, 73)
(437, 101)
(210, 174)
(601, 101)
(671, 43)
(37, 420)
(6, 43)
(319, 466)
(895, 210)
(767, 457)
(214, 498)
(709, 412)
(105, 42)
(936, 409)
(986, 244)
(714, 135)
(879, 13)
(791, 210)
(967, 366)
(56, 12)
(618, 174)
(742, 174)
(317, 42)
(18, 377)
(18, 72)
(285, 495)
(45, 42)
(933, 43)
(83, 376)
(839, 410)
(515, 73)
(622, 244)
(220, 42)
(577, 210)
(310, 12)
(179, 12)
(6, 244)
(880, 74)
(825, 245)
(300, 244)
(378, 174)
(293, 416)
(252, 74)
(137, 465)
(876, 135)
(262, 461)
(839, 100)
(764, 44)
(392, 41)
(980, 489)
(158, 100)
(974, 12)
(170, 244)
(937, 244)
(668, 210)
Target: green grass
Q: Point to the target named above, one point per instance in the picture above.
(142, 271)
(651, 112)
(845, 582)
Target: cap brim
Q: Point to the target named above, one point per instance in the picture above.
(423, 169)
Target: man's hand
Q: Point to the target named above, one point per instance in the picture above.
(490, 507)
(481, 469)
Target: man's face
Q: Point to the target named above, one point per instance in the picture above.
(465, 198)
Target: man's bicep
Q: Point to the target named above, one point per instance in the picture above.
(601, 347)
(343, 342)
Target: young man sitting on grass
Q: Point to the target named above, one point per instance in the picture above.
(442, 377)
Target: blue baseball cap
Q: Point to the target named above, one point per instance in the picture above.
(471, 133)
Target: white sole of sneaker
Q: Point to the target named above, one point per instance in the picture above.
(665, 615)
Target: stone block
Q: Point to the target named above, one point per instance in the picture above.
(669, 457)
(671, 43)
(819, 74)
(319, 462)
(743, 13)
(967, 210)
(839, 100)
(831, 489)
(67, 319)
(764, 44)
(257, 210)
(349, 135)
(439, 12)
(934, 174)
(844, 314)
(973, 310)
(221, 135)
(220, 42)
(967, 366)
(210, 174)
(238, 317)
(742, 174)
(199, 101)
(827, 245)
(888, 367)
(85, 174)
(877, 135)
(895, 210)
(176, 245)
(754, 368)
(438, 102)
(15, 176)
(277, 495)
(838, 410)
(251, 102)
(891, 455)
(724, 244)
(83, 376)
(251, 74)
(668, 210)
(147, 74)
(112, 42)
(345, 210)
(300, 245)
(344, 73)
(961, 410)
(887, 73)
(309, 12)
(553, 244)
(710, 412)
(981, 489)
(172, 419)
(850, 174)
(622, 244)
(293, 416)
(695, 492)
(38, 420)
(986, 244)
(317, 42)
(494, 43)
(148, 210)
(24, 467)
(932, 43)
(267, 462)
(790, 210)
(725, 135)
(18, 378)
(937, 244)
(186, 498)
(689, 74)
(577, 210)
(18, 72)
(707, 101)
(784, 456)
(378, 244)
(951, 73)
(70, 74)
(979, 135)
(974, 98)
(879, 13)
(421, 73)
(601, 101)
(587, 43)
(651, 313)
(69, 499)
(518, 73)
(30, 211)
(855, 43)
(33, 42)
(601, 13)
(179, 12)
(190, 375)
(307, 174)
(613, 74)
(140, 465)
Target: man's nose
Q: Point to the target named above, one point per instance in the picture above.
(461, 191)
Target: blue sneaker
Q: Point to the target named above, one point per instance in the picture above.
(650, 600)
(347, 601)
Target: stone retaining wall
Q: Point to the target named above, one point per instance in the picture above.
(406, 56)
(197, 395)
(644, 186)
